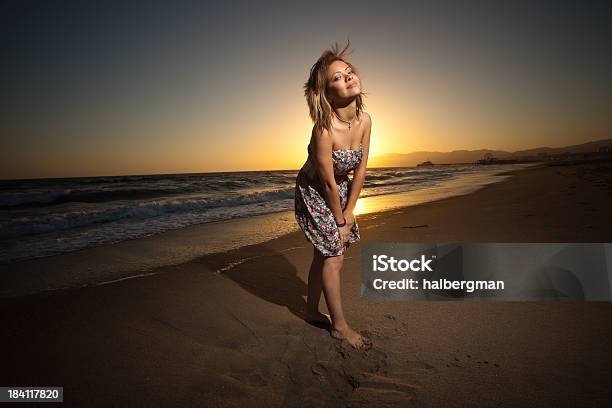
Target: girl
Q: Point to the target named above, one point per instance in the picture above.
(325, 197)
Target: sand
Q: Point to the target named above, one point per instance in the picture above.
(228, 330)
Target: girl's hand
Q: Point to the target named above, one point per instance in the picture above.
(349, 217)
(344, 233)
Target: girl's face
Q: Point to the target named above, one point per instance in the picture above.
(342, 82)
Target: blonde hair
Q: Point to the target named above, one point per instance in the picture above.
(315, 87)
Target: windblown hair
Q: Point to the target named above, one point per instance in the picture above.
(315, 87)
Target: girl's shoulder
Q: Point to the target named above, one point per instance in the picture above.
(366, 117)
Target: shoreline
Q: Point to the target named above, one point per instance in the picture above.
(141, 257)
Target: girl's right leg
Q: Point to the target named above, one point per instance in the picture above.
(315, 288)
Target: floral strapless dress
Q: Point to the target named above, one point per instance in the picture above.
(311, 210)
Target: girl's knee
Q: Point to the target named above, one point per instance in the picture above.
(335, 261)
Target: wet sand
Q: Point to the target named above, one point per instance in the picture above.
(228, 330)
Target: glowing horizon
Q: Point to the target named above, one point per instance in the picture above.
(182, 91)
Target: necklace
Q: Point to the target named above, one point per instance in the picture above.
(342, 120)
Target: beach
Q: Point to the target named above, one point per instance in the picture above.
(227, 329)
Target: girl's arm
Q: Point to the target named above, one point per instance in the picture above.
(322, 145)
(360, 171)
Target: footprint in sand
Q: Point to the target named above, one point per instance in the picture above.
(320, 370)
(251, 378)
(418, 365)
(378, 389)
(481, 363)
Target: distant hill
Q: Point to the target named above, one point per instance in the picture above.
(471, 156)
(581, 148)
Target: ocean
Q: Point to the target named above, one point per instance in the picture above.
(44, 217)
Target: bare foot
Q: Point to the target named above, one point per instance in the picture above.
(318, 318)
(352, 337)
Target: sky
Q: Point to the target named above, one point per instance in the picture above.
(152, 87)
